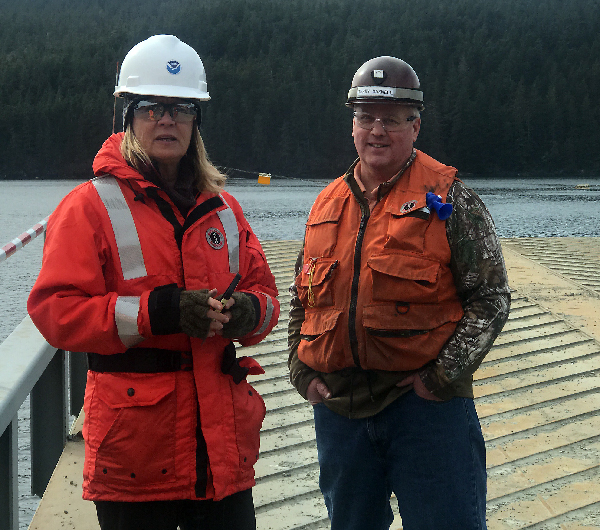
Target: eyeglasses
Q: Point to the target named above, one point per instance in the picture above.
(152, 111)
(390, 124)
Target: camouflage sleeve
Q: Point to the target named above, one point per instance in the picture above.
(300, 374)
(482, 284)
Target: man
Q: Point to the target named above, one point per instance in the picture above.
(394, 306)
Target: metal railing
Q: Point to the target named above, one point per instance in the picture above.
(55, 382)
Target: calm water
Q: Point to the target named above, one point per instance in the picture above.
(521, 208)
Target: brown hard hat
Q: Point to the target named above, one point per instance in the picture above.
(386, 79)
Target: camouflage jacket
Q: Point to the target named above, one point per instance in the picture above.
(481, 281)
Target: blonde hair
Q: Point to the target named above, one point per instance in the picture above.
(206, 176)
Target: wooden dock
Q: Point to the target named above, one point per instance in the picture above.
(537, 395)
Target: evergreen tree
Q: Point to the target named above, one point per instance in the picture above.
(510, 86)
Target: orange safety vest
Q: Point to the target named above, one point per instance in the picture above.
(376, 287)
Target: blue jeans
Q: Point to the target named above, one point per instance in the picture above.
(430, 454)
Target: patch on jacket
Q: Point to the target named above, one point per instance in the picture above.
(215, 238)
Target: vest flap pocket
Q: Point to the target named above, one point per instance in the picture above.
(318, 322)
(402, 277)
(407, 233)
(328, 211)
(407, 320)
(134, 390)
(320, 270)
(406, 267)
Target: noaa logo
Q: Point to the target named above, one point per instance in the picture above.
(408, 206)
(215, 238)
(173, 67)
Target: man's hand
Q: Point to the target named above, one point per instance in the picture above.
(317, 391)
(418, 387)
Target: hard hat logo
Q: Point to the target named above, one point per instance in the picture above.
(378, 76)
(173, 67)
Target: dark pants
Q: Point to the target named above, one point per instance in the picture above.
(235, 512)
(430, 454)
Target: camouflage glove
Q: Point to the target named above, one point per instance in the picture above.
(243, 317)
(193, 306)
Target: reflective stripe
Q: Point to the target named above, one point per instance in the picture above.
(126, 236)
(232, 236)
(126, 313)
(385, 92)
(268, 316)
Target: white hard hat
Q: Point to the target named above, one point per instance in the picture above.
(163, 66)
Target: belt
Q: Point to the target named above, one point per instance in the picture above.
(141, 360)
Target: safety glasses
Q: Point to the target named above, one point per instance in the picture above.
(153, 111)
(389, 123)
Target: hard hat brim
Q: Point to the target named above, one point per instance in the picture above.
(385, 94)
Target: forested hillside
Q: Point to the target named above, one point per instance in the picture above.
(509, 85)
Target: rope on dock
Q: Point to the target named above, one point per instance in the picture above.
(10, 248)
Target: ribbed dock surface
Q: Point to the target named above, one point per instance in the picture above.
(538, 390)
(537, 394)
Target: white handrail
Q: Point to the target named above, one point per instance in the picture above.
(24, 355)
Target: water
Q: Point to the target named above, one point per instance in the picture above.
(542, 207)
(520, 208)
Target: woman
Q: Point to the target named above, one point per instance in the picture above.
(135, 264)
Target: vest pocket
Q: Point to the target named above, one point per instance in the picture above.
(407, 232)
(321, 347)
(321, 239)
(396, 341)
(403, 278)
(316, 281)
(322, 227)
(132, 428)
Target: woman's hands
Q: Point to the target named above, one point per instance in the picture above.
(201, 315)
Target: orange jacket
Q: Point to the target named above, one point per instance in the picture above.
(108, 248)
(376, 286)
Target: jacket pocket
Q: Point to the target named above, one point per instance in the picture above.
(132, 428)
(249, 411)
(404, 278)
(315, 282)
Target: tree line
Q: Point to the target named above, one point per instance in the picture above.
(510, 86)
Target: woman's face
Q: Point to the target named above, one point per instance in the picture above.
(165, 139)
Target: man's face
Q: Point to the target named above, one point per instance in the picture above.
(383, 152)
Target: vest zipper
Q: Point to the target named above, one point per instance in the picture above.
(354, 289)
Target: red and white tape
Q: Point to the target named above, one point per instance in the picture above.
(10, 248)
